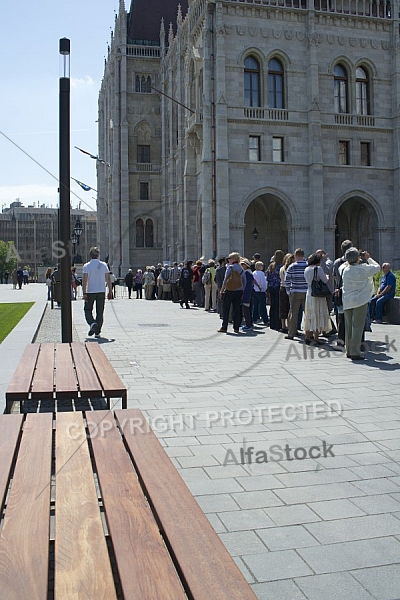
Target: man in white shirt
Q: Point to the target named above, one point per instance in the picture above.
(95, 277)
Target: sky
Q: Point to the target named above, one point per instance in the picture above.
(30, 68)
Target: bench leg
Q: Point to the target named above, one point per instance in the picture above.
(124, 401)
(9, 404)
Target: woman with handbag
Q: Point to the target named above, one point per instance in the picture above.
(316, 314)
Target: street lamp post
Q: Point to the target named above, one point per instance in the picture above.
(64, 189)
(78, 229)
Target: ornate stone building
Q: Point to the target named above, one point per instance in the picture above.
(250, 125)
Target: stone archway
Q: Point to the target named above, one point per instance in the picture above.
(267, 215)
(357, 220)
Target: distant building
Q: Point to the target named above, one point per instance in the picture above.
(34, 232)
(276, 126)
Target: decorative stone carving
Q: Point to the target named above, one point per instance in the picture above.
(277, 33)
(374, 44)
(264, 32)
(228, 29)
(314, 38)
(341, 40)
(331, 39)
(385, 45)
(353, 42)
(253, 31)
(241, 30)
(288, 35)
(301, 36)
(363, 42)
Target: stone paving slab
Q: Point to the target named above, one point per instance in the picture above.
(307, 529)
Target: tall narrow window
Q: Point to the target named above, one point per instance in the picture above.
(149, 234)
(254, 148)
(340, 89)
(139, 233)
(344, 153)
(277, 149)
(143, 153)
(365, 151)
(143, 190)
(251, 82)
(148, 85)
(275, 84)
(362, 92)
(137, 83)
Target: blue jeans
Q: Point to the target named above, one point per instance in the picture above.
(377, 305)
(260, 307)
(98, 299)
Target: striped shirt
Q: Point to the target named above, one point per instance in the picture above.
(294, 278)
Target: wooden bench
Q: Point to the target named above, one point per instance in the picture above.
(64, 372)
(122, 525)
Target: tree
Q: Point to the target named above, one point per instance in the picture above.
(8, 256)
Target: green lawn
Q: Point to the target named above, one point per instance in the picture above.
(10, 316)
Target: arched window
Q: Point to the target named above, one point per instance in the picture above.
(149, 234)
(275, 84)
(148, 85)
(139, 233)
(341, 84)
(143, 84)
(251, 82)
(137, 83)
(362, 92)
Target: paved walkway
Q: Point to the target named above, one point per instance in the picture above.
(299, 528)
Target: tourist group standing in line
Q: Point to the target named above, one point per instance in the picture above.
(298, 293)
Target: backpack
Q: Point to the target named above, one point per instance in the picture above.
(206, 279)
(234, 281)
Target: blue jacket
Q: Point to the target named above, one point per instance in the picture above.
(248, 290)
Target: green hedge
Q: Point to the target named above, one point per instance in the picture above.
(377, 279)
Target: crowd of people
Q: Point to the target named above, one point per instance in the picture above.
(288, 294)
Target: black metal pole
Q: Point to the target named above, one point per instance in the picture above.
(64, 208)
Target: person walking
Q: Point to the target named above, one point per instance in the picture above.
(259, 294)
(185, 283)
(210, 287)
(138, 281)
(20, 277)
(273, 287)
(48, 282)
(6, 276)
(95, 278)
(129, 282)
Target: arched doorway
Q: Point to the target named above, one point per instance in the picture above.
(266, 228)
(356, 220)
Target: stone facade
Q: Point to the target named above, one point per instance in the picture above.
(277, 126)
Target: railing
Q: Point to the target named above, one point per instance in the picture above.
(361, 120)
(143, 51)
(369, 8)
(272, 114)
(147, 167)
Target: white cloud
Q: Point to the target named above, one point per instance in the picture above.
(87, 80)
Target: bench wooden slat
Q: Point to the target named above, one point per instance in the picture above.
(66, 381)
(206, 566)
(89, 384)
(43, 381)
(10, 427)
(82, 564)
(112, 384)
(24, 538)
(20, 383)
(145, 568)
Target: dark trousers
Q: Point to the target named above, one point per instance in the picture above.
(187, 294)
(92, 299)
(247, 315)
(260, 307)
(231, 299)
(139, 290)
(129, 291)
(275, 322)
